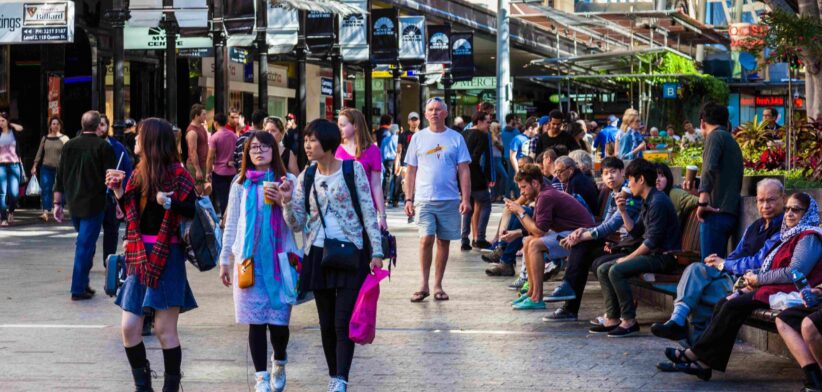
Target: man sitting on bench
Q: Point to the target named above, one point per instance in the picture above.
(704, 284)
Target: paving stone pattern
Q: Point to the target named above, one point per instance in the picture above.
(474, 342)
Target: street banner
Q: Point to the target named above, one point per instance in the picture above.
(319, 32)
(412, 40)
(354, 34)
(145, 13)
(384, 47)
(53, 109)
(36, 23)
(191, 15)
(462, 56)
(239, 17)
(283, 28)
(439, 44)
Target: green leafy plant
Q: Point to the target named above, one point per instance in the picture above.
(752, 136)
(794, 178)
(790, 36)
(689, 156)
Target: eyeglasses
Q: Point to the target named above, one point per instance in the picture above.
(259, 148)
(795, 210)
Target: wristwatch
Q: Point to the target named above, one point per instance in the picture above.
(522, 215)
(702, 204)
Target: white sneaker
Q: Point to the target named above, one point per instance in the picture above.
(263, 382)
(342, 385)
(278, 375)
(332, 384)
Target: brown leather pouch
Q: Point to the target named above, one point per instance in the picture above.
(245, 273)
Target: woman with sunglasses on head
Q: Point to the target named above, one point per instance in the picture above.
(255, 231)
(800, 249)
(327, 216)
(159, 194)
(358, 144)
(274, 126)
(10, 169)
(48, 158)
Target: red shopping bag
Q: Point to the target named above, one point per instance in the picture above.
(363, 325)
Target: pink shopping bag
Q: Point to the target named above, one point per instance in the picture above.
(363, 324)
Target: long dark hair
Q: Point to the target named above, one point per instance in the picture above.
(267, 139)
(158, 153)
(664, 170)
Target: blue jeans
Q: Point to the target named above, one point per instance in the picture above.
(88, 229)
(9, 188)
(47, 175)
(700, 287)
(483, 198)
(714, 233)
(501, 185)
(510, 249)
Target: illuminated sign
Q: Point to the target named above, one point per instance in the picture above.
(770, 100)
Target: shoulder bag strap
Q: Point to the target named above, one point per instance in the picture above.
(350, 182)
(308, 183)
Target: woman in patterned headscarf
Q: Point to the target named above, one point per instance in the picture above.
(800, 250)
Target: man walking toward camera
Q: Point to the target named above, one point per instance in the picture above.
(81, 176)
(437, 156)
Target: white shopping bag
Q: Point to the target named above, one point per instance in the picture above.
(33, 188)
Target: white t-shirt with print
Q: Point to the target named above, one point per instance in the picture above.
(437, 156)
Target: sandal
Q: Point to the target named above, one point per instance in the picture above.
(676, 355)
(419, 296)
(441, 296)
(694, 369)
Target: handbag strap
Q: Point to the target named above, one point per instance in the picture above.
(319, 207)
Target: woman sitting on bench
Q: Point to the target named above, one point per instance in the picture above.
(800, 249)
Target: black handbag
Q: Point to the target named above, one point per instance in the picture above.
(337, 254)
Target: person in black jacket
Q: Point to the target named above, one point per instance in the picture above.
(576, 183)
(478, 141)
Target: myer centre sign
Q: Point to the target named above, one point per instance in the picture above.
(147, 38)
(477, 83)
(36, 22)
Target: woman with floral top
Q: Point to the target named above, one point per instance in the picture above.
(331, 215)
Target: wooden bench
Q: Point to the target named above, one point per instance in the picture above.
(665, 284)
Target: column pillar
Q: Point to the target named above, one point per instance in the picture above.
(423, 97)
(171, 27)
(503, 60)
(117, 17)
(262, 55)
(397, 73)
(368, 109)
(218, 37)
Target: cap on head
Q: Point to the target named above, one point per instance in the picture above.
(413, 115)
(130, 122)
(543, 120)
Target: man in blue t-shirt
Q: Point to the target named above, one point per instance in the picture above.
(509, 132)
(606, 136)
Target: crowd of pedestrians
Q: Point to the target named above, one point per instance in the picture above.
(331, 183)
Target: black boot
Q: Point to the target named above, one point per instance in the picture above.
(142, 378)
(813, 377)
(171, 383)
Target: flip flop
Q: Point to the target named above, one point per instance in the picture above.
(419, 296)
(441, 296)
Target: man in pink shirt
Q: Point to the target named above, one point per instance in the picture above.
(220, 163)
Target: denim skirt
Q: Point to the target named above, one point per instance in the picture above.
(172, 288)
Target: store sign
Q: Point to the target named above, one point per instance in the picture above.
(326, 86)
(384, 48)
(439, 45)
(412, 40)
(477, 83)
(148, 38)
(770, 100)
(238, 55)
(354, 34)
(670, 90)
(747, 36)
(36, 23)
(277, 75)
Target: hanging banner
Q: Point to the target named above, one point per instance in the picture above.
(354, 34)
(191, 15)
(53, 109)
(36, 23)
(319, 32)
(462, 56)
(145, 13)
(412, 40)
(384, 36)
(283, 28)
(239, 17)
(439, 45)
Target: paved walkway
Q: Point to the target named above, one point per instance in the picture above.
(474, 342)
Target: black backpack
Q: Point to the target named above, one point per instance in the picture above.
(201, 235)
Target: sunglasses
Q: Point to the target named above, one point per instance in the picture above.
(795, 210)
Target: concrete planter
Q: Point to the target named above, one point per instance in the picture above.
(749, 183)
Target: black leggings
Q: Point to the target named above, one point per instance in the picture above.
(257, 343)
(334, 307)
